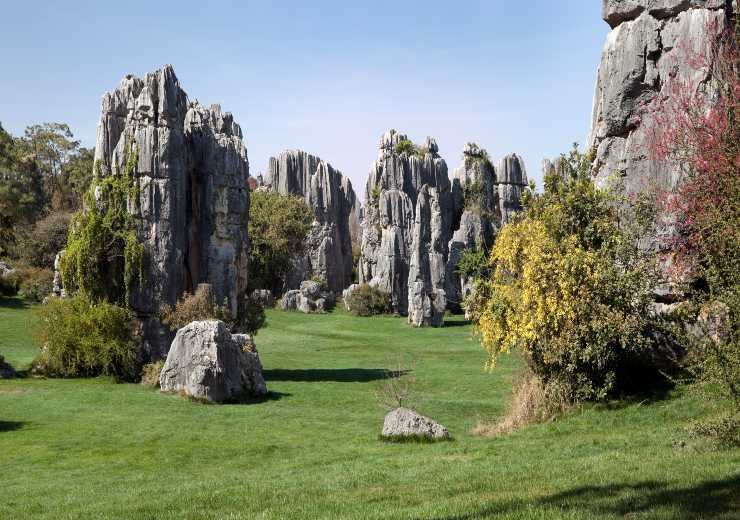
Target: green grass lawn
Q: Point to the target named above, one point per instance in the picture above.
(90, 448)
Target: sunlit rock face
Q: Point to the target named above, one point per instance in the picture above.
(393, 186)
(336, 216)
(193, 203)
(646, 52)
(649, 54)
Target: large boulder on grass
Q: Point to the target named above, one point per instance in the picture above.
(406, 423)
(206, 361)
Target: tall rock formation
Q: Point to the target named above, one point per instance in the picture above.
(417, 224)
(511, 178)
(644, 54)
(393, 186)
(336, 216)
(477, 196)
(193, 202)
(427, 300)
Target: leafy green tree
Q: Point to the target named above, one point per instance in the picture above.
(74, 180)
(22, 195)
(278, 225)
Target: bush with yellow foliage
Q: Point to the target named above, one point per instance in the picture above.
(570, 289)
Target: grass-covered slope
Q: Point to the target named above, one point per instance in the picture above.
(92, 448)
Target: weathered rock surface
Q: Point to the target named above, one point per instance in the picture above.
(417, 223)
(393, 185)
(404, 422)
(644, 55)
(511, 178)
(193, 202)
(5, 270)
(476, 192)
(206, 361)
(57, 288)
(347, 293)
(427, 267)
(310, 298)
(336, 215)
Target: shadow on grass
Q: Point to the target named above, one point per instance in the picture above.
(456, 323)
(257, 399)
(13, 302)
(336, 375)
(709, 499)
(9, 426)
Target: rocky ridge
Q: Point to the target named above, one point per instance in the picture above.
(336, 216)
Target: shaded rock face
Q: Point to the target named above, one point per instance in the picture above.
(193, 206)
(393, 187)
(644, 55)
(336, 216)
(206, 361)
(404, 422)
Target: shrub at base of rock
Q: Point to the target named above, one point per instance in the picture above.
(366, 300)
(309, 299)
(207, 362)
(406, 424)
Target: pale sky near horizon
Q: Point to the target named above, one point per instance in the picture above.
(328, 77)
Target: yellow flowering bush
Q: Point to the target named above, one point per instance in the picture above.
(571, 291)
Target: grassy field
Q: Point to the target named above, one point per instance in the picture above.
(92, 448)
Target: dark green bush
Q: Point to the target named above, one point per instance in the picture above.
(80, 337)
(367, 300)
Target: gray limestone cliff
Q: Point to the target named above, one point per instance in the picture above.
(336, 216)
(193, 202)
(393, 186)
(644, 54)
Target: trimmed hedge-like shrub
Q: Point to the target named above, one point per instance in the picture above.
(80, 337)
(367, 300)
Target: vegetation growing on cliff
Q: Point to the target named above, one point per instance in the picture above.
(278, 225)
(104, 257)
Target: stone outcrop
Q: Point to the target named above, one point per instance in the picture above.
(427, 299)
(478, 215)
(309, 299)
(391, 193)
(511, 179)
(404, 422)
(417, 224)
(206, 361)
(336, 216)
(193, 202)
(644, 55)
(347, 294)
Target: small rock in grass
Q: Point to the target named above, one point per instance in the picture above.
(404, 422)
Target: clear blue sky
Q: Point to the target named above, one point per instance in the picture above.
(324, 76)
